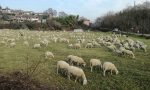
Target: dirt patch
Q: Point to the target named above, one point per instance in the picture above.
(20, 81)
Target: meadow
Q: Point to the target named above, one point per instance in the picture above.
(134, 74)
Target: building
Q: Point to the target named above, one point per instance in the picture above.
(86, 22)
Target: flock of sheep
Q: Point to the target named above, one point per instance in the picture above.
(118, 44)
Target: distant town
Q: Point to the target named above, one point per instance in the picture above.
(21, 15)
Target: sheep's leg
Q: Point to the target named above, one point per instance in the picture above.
(57, 69)
(99, 67)
(77, 64)
(111, 72)
(104, 72)
(45, 57)
(91, 68)
(69, 76)
(76, 79)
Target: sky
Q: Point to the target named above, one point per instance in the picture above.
(90, 9)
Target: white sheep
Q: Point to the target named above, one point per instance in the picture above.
(49, 55)
(70, 45)
(89, 45)
(13, 44)
(109, 66)
(62, 65)
(26, 43)
(37, 46)
(75, 59)
(95, 62)
(128, 52)
(44, 42)
(78, 72)
(112, 48)
(77, 46)
(143, 47)
(3, 43)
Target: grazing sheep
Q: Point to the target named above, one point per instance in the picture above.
(3, 43)
(44, 42)
(49, 55)
(112, 48)
(128, 52)
(70, 45)
(26, 43)
(78, 72)
(89, 45)
(109, 66)
(118, 52)
(75, 59)
(13, 44)
(95, 62)
(143, 47)
(62, 65)
(77, 46)
(37, 46)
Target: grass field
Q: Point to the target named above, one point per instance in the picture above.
(134, 74)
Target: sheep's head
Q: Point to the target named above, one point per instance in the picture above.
(116, 71)
(84, 64)
(85, 82)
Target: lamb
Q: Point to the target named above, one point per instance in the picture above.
(49, 55)
(95, 62)
(62, 65)
(89, 45)
(75, 59)
(109, 66)
(13, 44)
(37, 46)
(78, 72)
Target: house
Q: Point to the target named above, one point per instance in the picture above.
(86, 22)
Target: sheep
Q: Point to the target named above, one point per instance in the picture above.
(77, 46)
(95, 62)
(70, 45)
(143, 47)
(95, 44)
(13, 44)
(112, 48)
(49, 55)
(62, 65)
(44, 42)
(3, 43)
(78, 72)
(75, 59)
(128, 52)
(109, 66)
(26, 43)
(89, 45)
(37, 46)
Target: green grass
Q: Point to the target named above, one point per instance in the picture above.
(134, 74)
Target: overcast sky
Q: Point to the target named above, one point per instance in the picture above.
(87, 8)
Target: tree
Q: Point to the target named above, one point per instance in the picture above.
(50, 12)
(62, 14)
